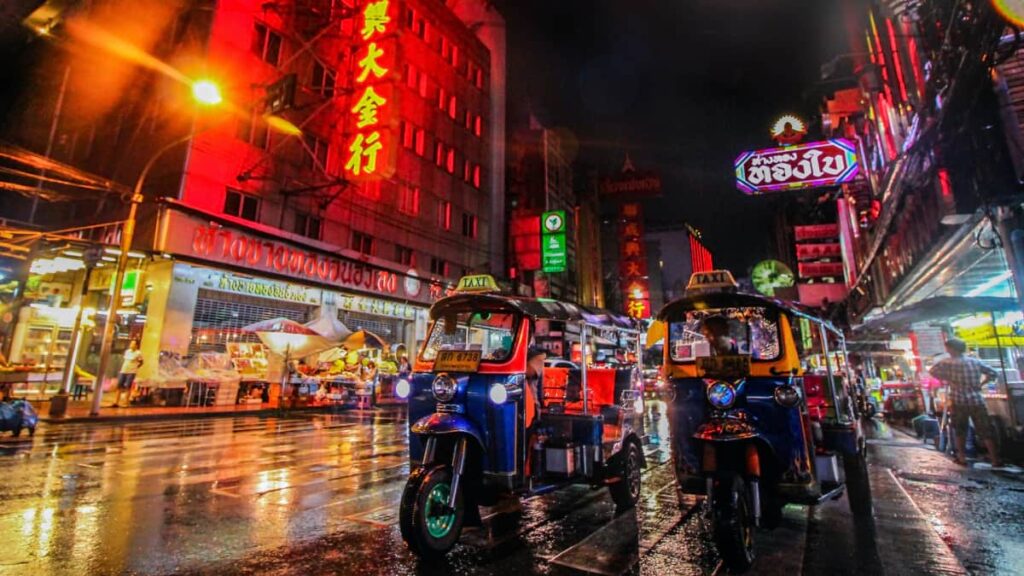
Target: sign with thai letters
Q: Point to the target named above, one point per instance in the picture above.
(811, 165)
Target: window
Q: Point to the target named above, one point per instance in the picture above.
(408, 135)
(453, 108)
(476, 176)
(266, 44)
(446, 48)
(478, 126)
(467, 172)
(421, 141)
(469, 225)
(409, 200)
(362, 243)
(323, 80)
(479, 78)
(444, 215)
(438, 266)
(468, 119)
(442, 99)
(455, 56)
(439, 153)
(492, 334)
(411, 76)
(749, 331)
(410, 18)
(242, 205)
(450, 161)
(254, 131)
(424, 86)
(308, 225)
(405, 256)
(317, 149)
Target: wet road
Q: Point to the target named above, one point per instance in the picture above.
(317, 494)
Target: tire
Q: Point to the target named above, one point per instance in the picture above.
(733, 523)
(626, 492)
(428, 526)
(16, 431)
(858, 488)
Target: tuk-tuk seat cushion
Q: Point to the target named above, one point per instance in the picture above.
(601, 388)
(814, 389)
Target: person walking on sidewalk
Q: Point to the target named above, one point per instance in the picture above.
(129, 367)
(965, 376)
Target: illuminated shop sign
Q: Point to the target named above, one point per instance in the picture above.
(369, 152)
(215, 243)
(811, 165)
(633, 280)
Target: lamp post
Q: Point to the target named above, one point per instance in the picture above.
(205, 92)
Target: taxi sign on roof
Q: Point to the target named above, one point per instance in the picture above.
(477, 283)
(711, 279)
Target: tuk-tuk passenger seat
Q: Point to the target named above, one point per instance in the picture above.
(814, 389)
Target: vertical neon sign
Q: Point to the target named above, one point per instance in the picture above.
(368, 152)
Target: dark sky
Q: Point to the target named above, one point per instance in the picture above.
(683, 85)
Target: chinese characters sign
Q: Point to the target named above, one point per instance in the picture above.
(368, 153)
(552, 242)
(811, 165)
(633, 262)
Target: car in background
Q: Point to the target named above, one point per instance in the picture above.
(654, 383)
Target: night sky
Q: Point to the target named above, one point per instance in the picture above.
(684, 86)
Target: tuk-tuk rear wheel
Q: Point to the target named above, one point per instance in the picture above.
(858, 488)
(733, 523)
(428, 525)
(626, 491)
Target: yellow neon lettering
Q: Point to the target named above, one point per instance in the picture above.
(375, 17)
(367, 107)
(364, 149)
(369, 63)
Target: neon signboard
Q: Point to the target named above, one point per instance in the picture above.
(811, 165)
(369, 153)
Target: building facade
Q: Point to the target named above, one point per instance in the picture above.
(391, 187)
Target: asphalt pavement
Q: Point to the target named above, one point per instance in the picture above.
(318, 494)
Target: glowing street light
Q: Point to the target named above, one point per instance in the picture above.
(206, 92)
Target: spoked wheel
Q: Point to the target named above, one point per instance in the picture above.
(733, 523)
(429, 526)
(626, 492)
(858, 488)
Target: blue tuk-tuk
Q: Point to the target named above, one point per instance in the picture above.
(480, 428)
(761, 410)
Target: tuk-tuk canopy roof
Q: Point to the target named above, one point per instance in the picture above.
(536, 308)
(721, 299)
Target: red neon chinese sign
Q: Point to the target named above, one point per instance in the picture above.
(368, 153)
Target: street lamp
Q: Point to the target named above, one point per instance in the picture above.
(207, 93)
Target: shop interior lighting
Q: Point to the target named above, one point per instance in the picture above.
(55, 265)
(131, 253)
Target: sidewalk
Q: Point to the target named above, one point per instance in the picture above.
(78, 411)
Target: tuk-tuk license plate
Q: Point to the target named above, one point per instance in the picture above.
(724, 366)
(457, 361)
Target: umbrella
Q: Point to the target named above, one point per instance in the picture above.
(364, 339)
(329, 327)
(655, 334)
(289, 338)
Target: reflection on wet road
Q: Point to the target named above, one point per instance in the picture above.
(318, 494)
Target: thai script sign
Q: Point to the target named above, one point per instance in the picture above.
(633, 185)
(811, 165)
(212, 242)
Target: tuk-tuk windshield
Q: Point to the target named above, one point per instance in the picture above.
(749, 331)
(491, 333)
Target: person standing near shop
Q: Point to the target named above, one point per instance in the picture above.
(130, 365)
(965, 376)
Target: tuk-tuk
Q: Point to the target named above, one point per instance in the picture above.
(480, 428)
(754, 427)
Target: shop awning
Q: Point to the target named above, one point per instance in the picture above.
(938, 308)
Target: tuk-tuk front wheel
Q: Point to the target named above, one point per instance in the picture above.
(626, 491)
(429, 525)
(733, 523)
(858, 488)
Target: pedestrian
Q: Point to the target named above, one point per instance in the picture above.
(965, 376)
(130, 365)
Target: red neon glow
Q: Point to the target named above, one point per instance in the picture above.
(897, 65)
(365, 147)
(915, 61)
(882, 60)
(944, 185)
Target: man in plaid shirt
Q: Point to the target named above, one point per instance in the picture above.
(965, 376)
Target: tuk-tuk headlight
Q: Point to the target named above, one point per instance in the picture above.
(721, 395)
(787, 395)
(498, 393)
(444, 388)
(402, 388)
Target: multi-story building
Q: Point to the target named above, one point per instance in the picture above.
(391, 187)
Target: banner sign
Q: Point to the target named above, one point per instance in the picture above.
(633, 280)
(552, 242)
(632, 185)
(811, 165)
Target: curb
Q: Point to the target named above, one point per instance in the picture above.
(263, 412)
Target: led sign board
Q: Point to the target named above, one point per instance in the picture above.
(811, 165)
